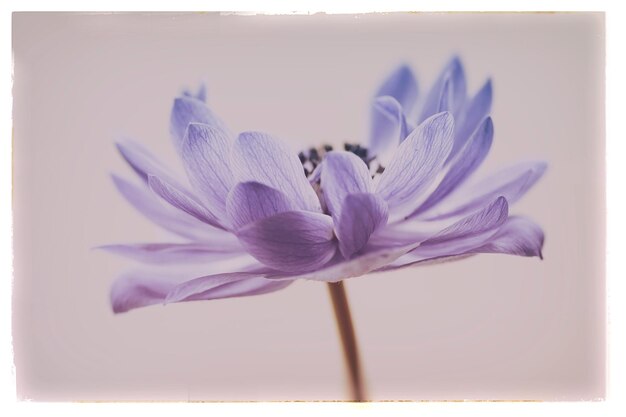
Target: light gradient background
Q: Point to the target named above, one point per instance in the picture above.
(489, 327)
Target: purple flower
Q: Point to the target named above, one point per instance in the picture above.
(257, 216)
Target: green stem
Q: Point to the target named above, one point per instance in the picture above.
(348, 340)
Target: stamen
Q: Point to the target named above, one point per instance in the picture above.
(313, 157)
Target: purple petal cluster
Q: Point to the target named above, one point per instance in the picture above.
(251, 219)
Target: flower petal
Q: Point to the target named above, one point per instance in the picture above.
(474, 113)
(188, 110)
(242, 288)
(251, 201)
(446, 100)
(182, 200)
(408, 232)
(511, 183)
(402, 86)
(343, 173)
(361, 215)
(141, 160)
(143, 288)
(518, 236)
(417, 160)
(163, 215)
(139, 289)
(200, 94)
(470, 158)
(389, 126)
(453, 74)
(205, 153)
(292, 241)
(410, 260)
(261, 158)
(222, 286)
(466, 231)
(372, 258)
(461, 237)
(161, 253)
(486, 220)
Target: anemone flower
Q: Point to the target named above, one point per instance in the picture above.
(256, 216)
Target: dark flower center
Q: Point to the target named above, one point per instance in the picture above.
(312, 157)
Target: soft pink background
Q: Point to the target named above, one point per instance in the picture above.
(490, 327)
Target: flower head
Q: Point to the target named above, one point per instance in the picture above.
(257, 216)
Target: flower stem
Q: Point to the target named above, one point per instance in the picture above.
(348, 340)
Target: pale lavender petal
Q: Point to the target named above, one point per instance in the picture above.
(417, 161)
(343, 173)
(454, 74)
(162, 253)
(490, 217)
(372, 258)
(251, 201)
(402, 86)
(446, 100)
(143, 288)
(464, 235)
(470, 158)
(409, 260)
(511, 183)
(200, 94)
(408, 232)
(259, 157)
(467, 233)
(205, 153)
(140, 289)
(346, 185)
(292, 241)
(361, 215)
(242, 288)
(474, 113)
(176, 221)
(188, 110)
(183, 200)
(142, 161)
(207, 286)
(518, 236)
(446, 235)
(389, 126)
